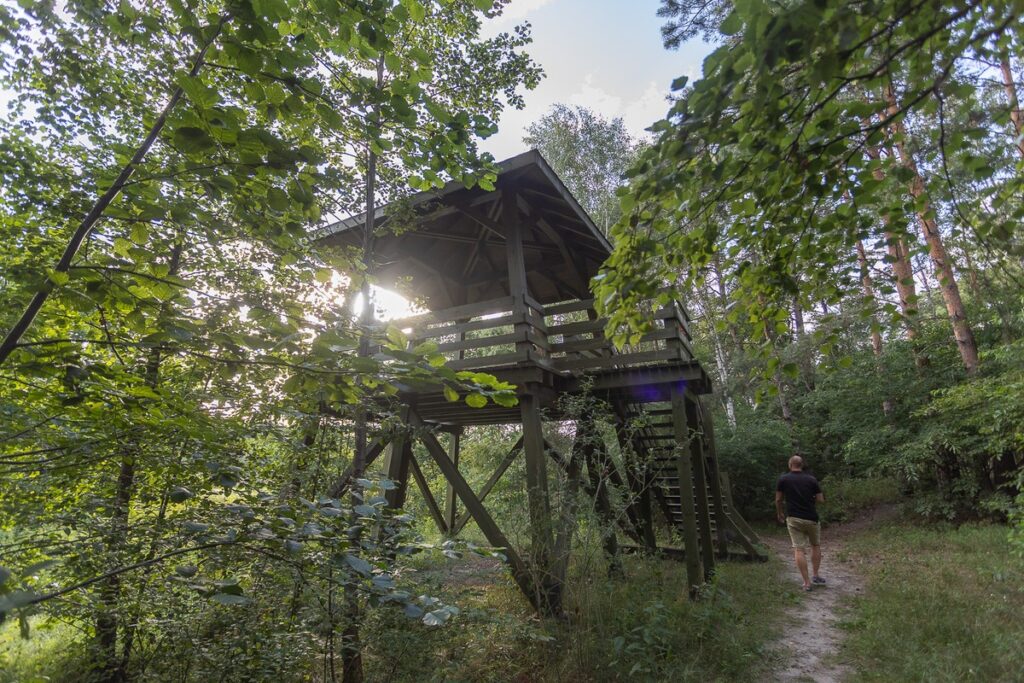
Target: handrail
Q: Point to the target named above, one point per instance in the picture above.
(566, 337)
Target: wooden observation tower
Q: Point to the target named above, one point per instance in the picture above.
(504, 275)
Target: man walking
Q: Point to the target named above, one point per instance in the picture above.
(801, 492)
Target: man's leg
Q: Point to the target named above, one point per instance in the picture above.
(801, 564)
(816, 559)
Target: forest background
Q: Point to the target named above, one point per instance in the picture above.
(837, 200)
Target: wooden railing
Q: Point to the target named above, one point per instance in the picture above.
(566, 337)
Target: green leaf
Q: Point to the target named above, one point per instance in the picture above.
(179, 494)
(191, 140)
(476, 400)
(450, 394)
(358, 564)
(229, 599)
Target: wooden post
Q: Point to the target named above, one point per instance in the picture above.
(451, 500)
(684, 466)
(428, 496)
(398, 466)
(700, 488)
(714, 480)
(541, 538)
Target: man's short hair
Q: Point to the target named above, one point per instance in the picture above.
(796, 463)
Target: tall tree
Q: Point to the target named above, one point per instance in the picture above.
(590, 154)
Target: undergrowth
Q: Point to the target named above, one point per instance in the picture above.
(942, 604)
(639, 627)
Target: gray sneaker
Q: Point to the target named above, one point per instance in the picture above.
(818, 580)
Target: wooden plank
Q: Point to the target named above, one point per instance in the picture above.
(684, 465)
(484, 342)
(462, 328)
(620, 360)
(568, 306)
(580, 327)
(432, 506)
(499, 305)
(602, 343)
(481, 362)
(491, 481)
(488, 527)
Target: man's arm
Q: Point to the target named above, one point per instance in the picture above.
(779, 514)
(820, 498)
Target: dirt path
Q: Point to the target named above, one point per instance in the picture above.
(811, 625)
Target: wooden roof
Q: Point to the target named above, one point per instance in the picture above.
(454, 253)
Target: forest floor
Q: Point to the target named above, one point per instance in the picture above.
(812, 636)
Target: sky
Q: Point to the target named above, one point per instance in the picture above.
(602, 54)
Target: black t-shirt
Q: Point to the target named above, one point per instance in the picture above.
(799, 488)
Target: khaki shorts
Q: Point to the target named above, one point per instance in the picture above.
(803, 532)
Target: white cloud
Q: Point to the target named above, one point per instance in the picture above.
(596, 98)
(519, 9)
(646, 109)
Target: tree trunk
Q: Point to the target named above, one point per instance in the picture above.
(1016, 117)
(798, 317)
(902, 272)
(110, 667)
(869, 297)
(936, 250)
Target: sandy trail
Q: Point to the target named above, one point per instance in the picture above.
(812, 635)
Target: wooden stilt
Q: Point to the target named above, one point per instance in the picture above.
(541, 540)
(398, 469)
(451, 500)
(428, 496)
(700, 488)
(684, 465)
(714, 480)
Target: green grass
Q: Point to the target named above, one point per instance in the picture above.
(942, 604)
(641, 627)
(43, 656)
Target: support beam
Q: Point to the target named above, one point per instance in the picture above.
(428, 496)
(714, 479)
(684, 466)
(487, 525)
(538, 502)
(451, 500)
(495, 476)
(398, 467)
(700, 488)
(340, 485)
